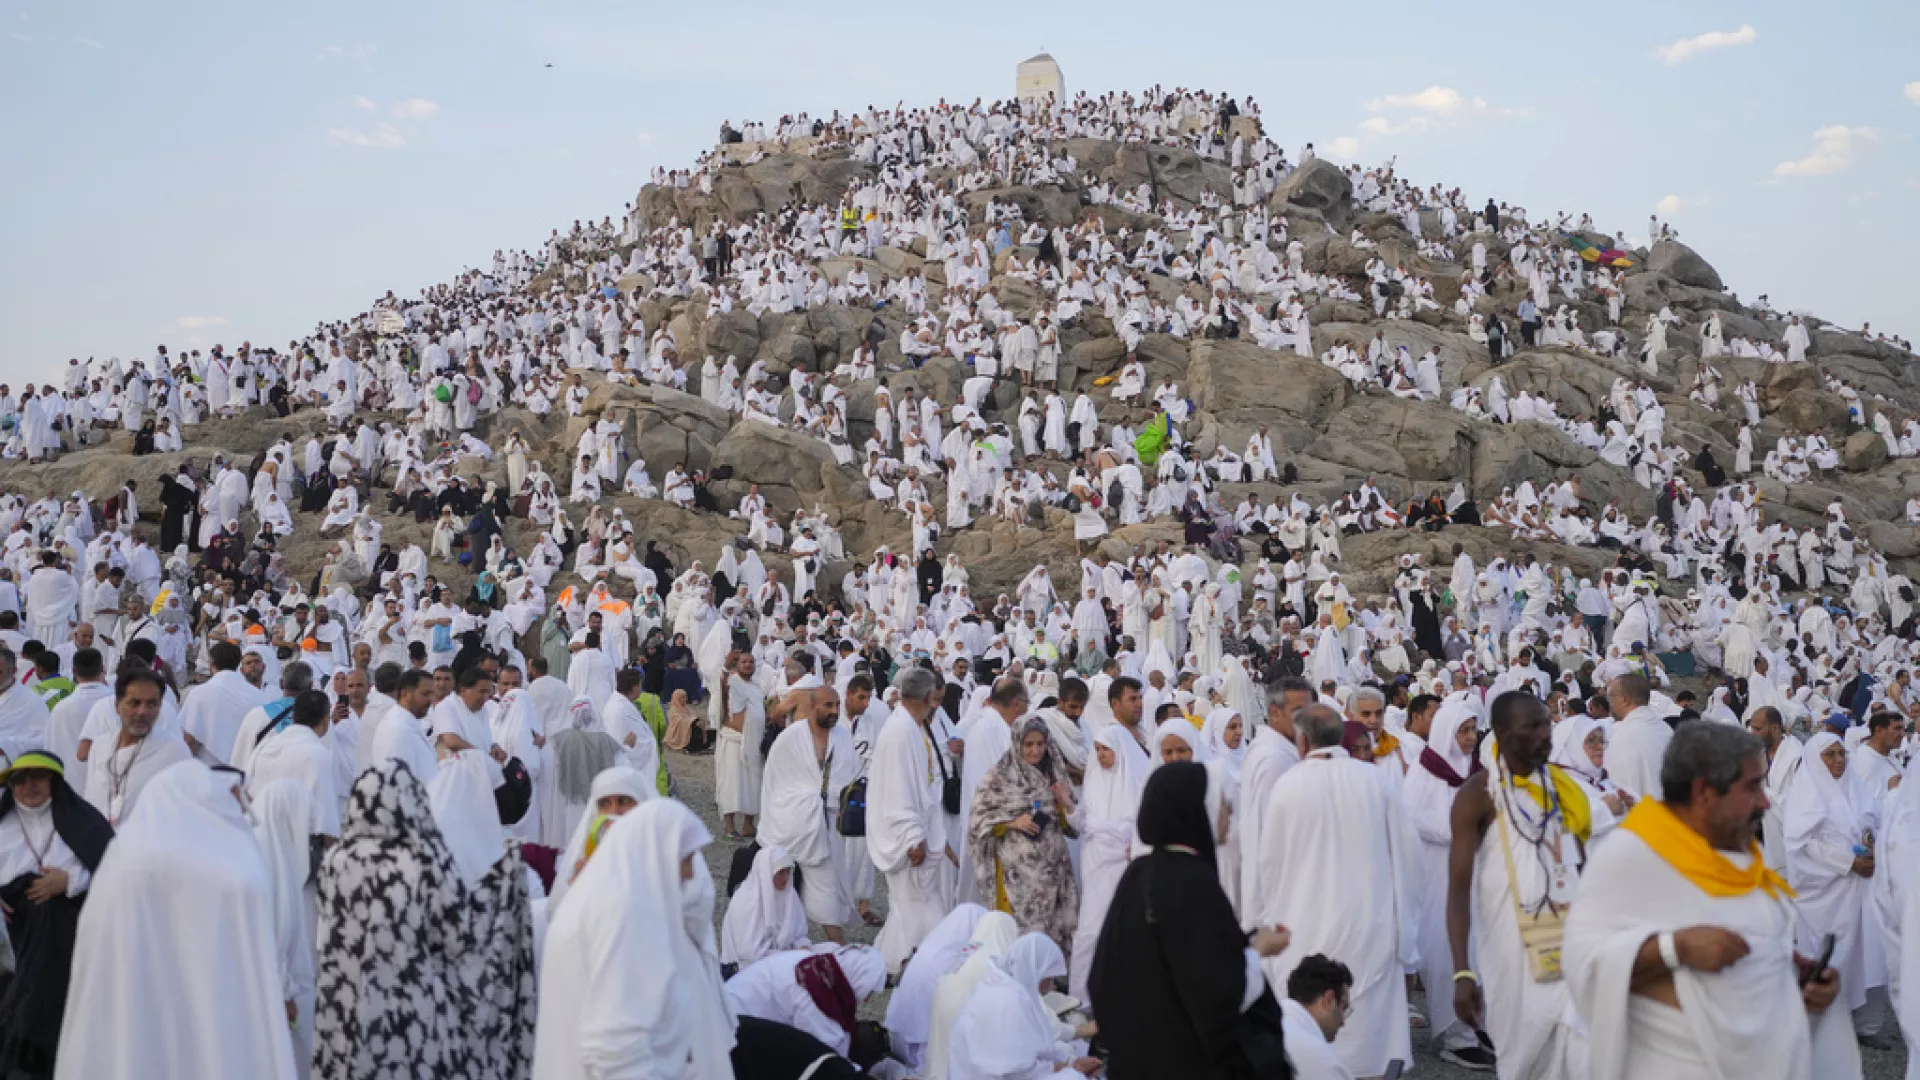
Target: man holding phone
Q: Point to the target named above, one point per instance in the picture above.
(1679, 950)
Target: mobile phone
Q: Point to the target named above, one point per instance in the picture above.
(1395, 1068)
(1820, 966)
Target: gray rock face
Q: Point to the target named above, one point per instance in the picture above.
(1317, 185)
(1863, 451)
(1239, 380)
(790, 469)
(1678, 261)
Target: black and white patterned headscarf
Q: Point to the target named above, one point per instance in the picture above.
(393, 921)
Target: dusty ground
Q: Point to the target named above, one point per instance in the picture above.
(693, 781)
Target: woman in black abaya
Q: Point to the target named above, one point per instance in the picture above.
(1426, 625)
(51, 841)
(1169, 985)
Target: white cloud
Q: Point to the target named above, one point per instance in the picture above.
(199, 322)
(1437, 100)
(382, 137)
(88, 42)
(1834, 147)
(360, 102)
(358, 52)
(1913, 92)
(1344, 148)
(645, 137)
(1675, 205)
(1681, 50)
(1426, 110)
(415, 109)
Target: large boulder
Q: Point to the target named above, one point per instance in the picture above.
(1168, 170)
(1424, 442)
(1811, 411)
(791, 469)
(1679, 262)
(1864, 451)
(736, 334)
(1240, 380)
(1318, 184)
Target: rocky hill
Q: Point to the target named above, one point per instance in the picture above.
(1333, 434)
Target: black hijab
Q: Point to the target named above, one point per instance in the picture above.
(1169, 972)
(1173, 810)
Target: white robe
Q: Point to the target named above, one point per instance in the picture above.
(1746, 1021)
(903, 810)
(630, 984)
(799, 802)
(1330, 870)
(213, 710)
(1635, 747)
(175, 961)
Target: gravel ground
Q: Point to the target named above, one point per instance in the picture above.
(693, 781)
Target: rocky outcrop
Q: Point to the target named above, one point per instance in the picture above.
(1679, 262)
(790, 469)
(1863, 451)
(1317, 185)
(1240, 380)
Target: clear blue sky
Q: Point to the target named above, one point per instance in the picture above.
(198, 172)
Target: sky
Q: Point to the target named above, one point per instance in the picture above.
(197, 173)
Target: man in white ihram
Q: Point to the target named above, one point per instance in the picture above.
(1330, 871)
(1679, 949)
(51, 597)
(906, 826)
(1638, 742)
(810, 763)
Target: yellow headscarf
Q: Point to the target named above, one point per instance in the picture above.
(1688, 852)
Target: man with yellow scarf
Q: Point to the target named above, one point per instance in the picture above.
(1679, 950)
(1520, 833)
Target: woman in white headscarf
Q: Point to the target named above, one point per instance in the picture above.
(631, 981)
(1580, 747)
(1108, 805)
(1896, 894)
(174, 959)
(993, 935)
(1176, 739)
(496, 962)
(1224, 738)
(283, 825)
(765, 916)
(1827, 819)
(515, 723)
(615, 792)
(910, 1007)
(1442, 768)
(1005, 1031)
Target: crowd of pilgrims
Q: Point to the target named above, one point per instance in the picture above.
(437, 831)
